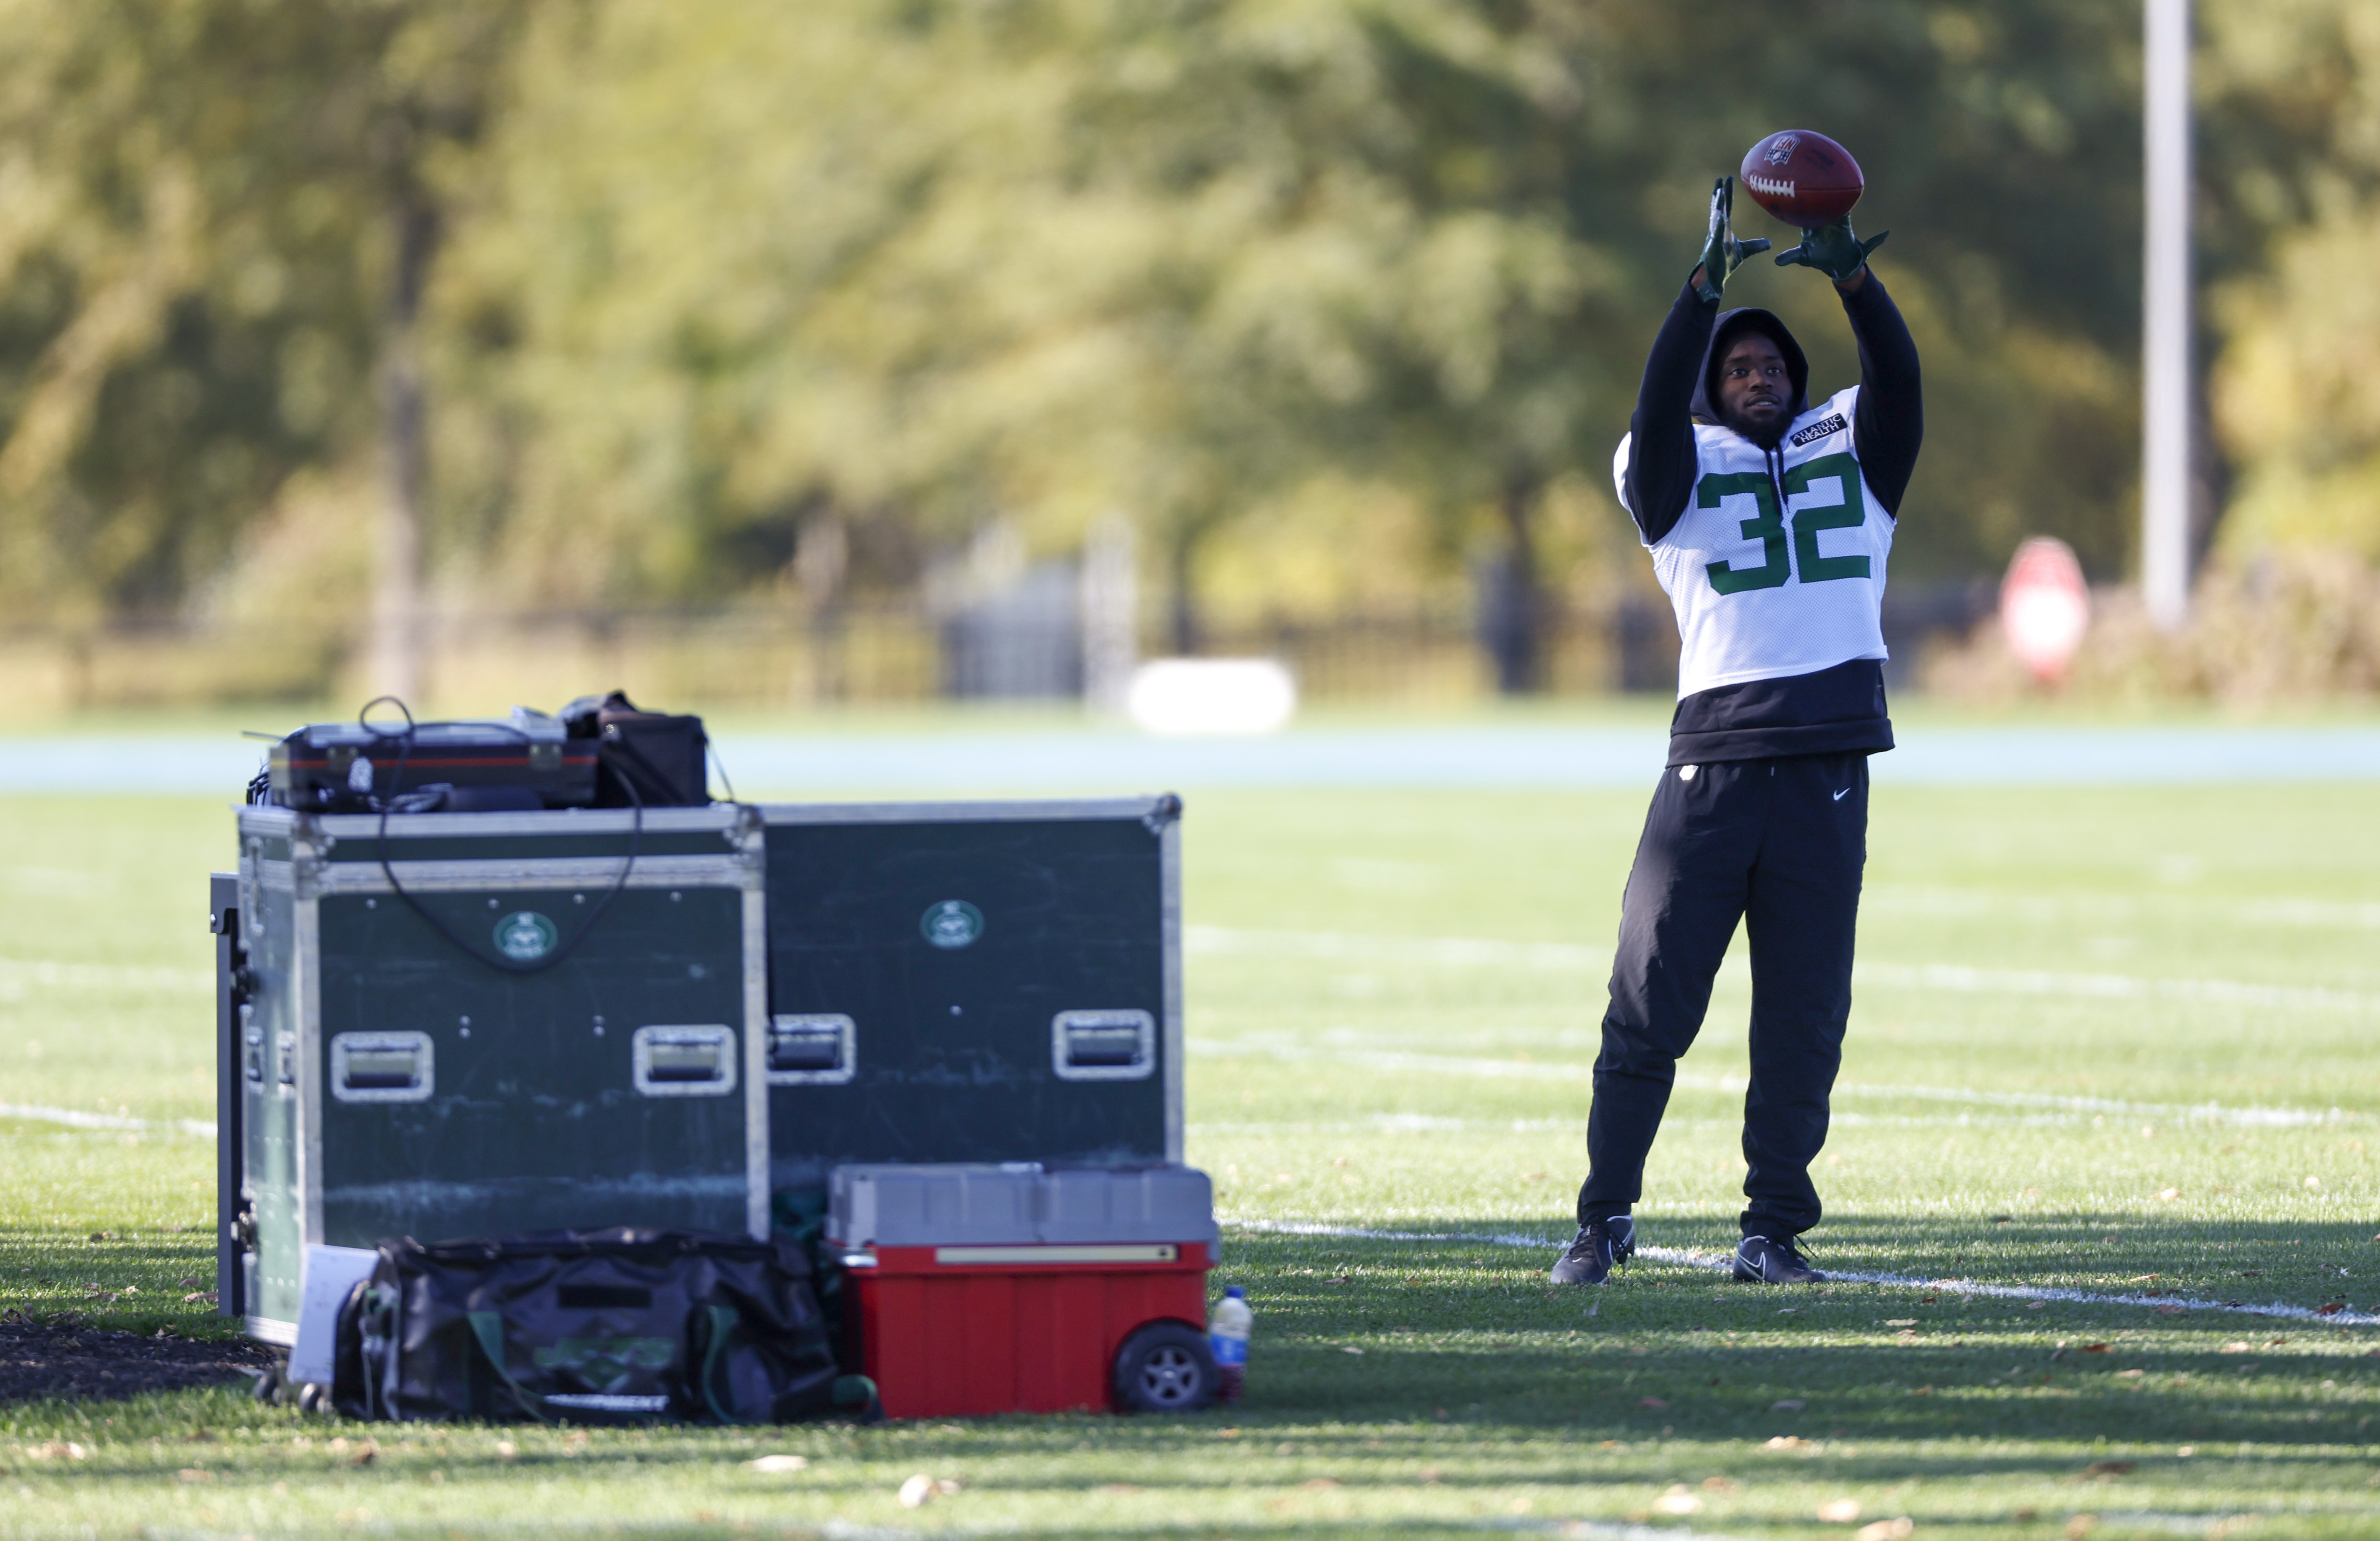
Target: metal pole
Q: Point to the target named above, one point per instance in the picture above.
(2166, 320)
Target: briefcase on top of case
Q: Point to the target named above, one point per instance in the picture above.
(527, 760)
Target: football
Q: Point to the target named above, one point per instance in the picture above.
(1802, 178)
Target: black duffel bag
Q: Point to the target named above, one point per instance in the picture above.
(600, 1327)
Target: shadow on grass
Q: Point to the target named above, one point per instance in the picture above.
(121, 1280)
(1464, 1331)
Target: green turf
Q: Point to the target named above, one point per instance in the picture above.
(2116, 1039)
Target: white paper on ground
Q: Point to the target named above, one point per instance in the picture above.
(329, 1273)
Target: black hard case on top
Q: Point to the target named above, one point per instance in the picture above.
(973, 982)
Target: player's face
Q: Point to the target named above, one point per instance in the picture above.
(1754, 389)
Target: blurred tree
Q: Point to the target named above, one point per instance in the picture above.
(217, 218)
(2294, 100)
(1179, 256)
(700, 287)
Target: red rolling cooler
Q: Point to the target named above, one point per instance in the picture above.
(1015, 1289)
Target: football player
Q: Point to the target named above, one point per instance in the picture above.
(1768, 520)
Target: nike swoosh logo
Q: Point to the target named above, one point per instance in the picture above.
(1843, 793)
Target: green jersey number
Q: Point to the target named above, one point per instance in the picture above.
(1848, 512)
(1767, 527)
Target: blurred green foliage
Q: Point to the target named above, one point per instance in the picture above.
(703, 281)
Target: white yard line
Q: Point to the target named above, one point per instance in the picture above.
(1582, 1070)
(1715, 1262)
(21, 972)
(1952, 978)
(76, 1119)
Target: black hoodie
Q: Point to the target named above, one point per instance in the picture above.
(1834, 710)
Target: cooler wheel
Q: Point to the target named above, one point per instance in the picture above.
(1164, 1367)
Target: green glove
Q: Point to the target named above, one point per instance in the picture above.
(1833, 249)
(1722, 253)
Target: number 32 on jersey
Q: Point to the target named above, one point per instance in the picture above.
(1847, 512)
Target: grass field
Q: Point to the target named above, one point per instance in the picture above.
(2107, 1042)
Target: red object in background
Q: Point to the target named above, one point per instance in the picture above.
(1802, 178)
(2044, 607)
(957, 1331)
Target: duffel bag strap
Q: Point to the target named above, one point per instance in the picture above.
(724, 1321)
(488, 1327)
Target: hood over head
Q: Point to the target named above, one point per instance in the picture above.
(1732, 325)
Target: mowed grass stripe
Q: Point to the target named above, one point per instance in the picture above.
(1481, 1398)
(1480, 952)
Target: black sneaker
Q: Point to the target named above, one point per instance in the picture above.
(1759, 1260)
(1602, 1245)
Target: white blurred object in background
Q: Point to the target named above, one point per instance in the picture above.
(1187, 695)
(2044, 607)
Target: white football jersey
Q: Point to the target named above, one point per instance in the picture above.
(1764, 591)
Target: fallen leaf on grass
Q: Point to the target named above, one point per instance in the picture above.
(2167, 1195)
(2037, 1304)
(2080, 1526)
(1888, 1530)
(1902, 1321)
(2130, 1374)
(196, 1473)
(2107, 1468)
(1677, 1500)
(2333, 1309)
(365, 1454)
(919, 1488)
(2096, 1347)
(1841, 1511)
(1719, 1485)
(778, 1463)
(57, 1448)
(1788, 1404)
(193, 1283)
(2171, 1310)
(1784, 1442)
(2241, 1348)
(1652, 1401)
(1351, 1348)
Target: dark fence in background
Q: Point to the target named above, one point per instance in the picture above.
(1024, 645)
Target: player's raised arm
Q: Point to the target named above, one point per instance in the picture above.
(1660, 466)
(1891, 418)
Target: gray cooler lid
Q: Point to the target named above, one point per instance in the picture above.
(1019, 1204)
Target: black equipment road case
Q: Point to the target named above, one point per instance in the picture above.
(973, 982)
(469, 1023)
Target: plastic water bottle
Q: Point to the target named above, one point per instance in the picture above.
(1227, 1333)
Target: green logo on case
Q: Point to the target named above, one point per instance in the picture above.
(526, 936)
(951, 923)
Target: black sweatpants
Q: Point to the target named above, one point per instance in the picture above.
(1779, 843)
